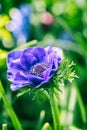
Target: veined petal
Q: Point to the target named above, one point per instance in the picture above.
(27, 60)
(57, 53)
(19, 77)
(13, 55)
(20, 80)
(46, 73)
(16, 86)
(39, 53)
(42, 83)
(35, 79)
(54, 68)
(55, 64)
(15, 65)
(10, 75)
(48, 49)
(28, 50)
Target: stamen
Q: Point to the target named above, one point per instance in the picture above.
(38, 69)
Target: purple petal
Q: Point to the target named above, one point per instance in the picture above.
(42, 83)
(55, 52)
(13, 56)
(10, 75)
(55, 64)
(48, 49)
(54, 68)
(20, 81)
(39, 53)
(15, 86)
(46, 73)
(38, 81)
(20, 77)
(27, 60)
(35, 79)
(58, 52)
(28, 50)
(15, 65)
(13, 68)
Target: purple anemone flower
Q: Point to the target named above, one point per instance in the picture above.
(34, 66)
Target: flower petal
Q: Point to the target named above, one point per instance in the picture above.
(15, 65)
(39, 53)
(15, 86)
(13, 56)
(42, 83)
(27, 60)
(20, 77)
(10, 75)
(46, 73)
(28, 50)
(20, 81)
(55, 65)
(35, 79)
(54, 68)
(55, 52)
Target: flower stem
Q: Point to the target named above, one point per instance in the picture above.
(10, 110)
(55, 111)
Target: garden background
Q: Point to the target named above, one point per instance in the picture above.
(60, 23)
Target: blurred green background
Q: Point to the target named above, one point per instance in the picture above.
(61, 23)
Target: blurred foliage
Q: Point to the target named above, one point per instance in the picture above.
(51, 22)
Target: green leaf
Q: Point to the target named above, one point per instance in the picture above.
(9, 109)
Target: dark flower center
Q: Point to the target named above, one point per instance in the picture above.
(38, 69)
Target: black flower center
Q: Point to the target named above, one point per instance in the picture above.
(38, 69)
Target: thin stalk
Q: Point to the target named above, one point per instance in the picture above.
(81, 105)
(40, 121)
(28, 44)
(4, 127)
(55, 111)
(10, 110)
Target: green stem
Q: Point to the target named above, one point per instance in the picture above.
(4, 127)
(40, 121)
(10, 110)
(81, 105)
(55, 111)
